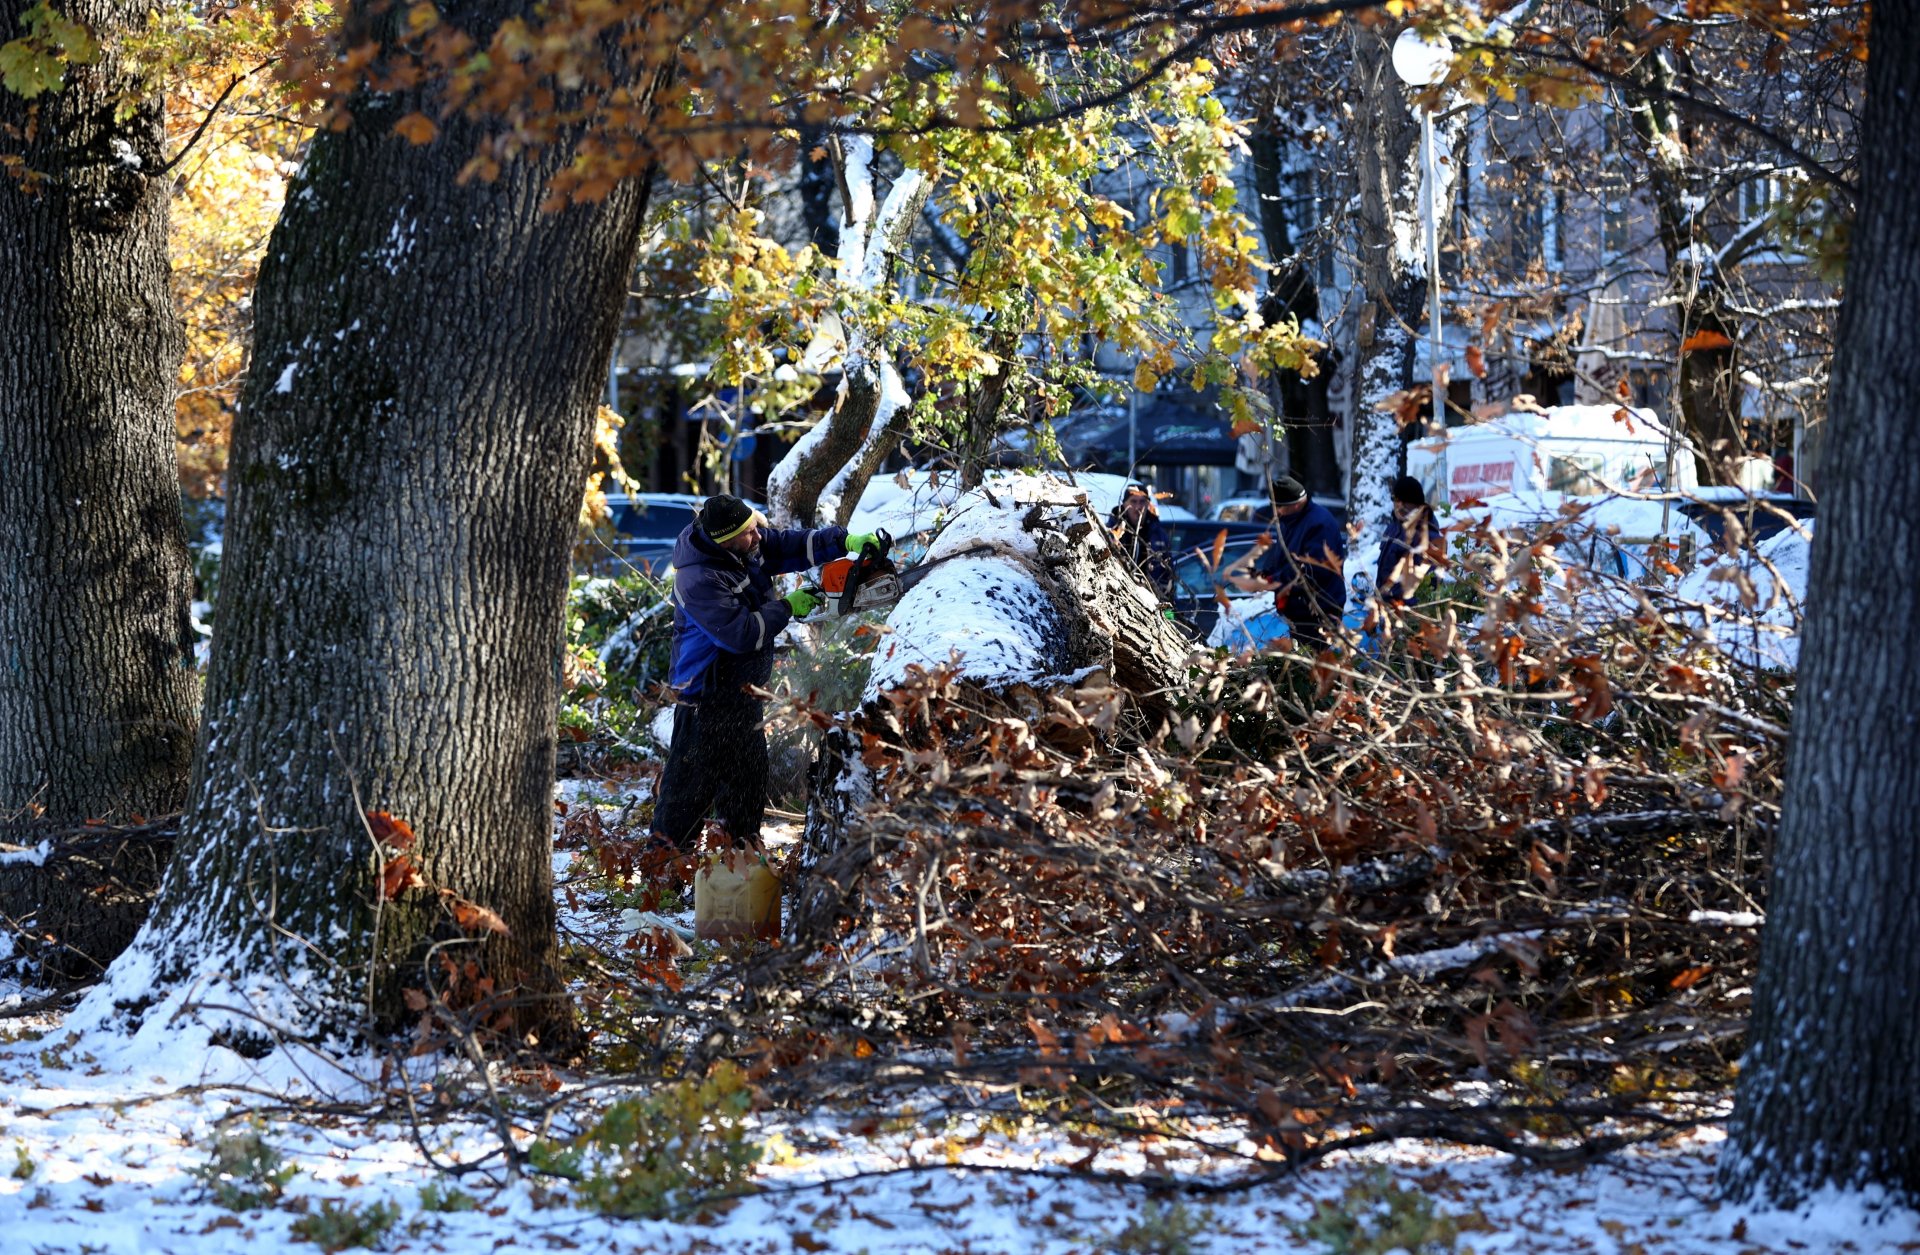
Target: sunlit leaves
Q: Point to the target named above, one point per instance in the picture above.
(227, 193)
(37, 61)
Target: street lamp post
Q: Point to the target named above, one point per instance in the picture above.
(1421, 61)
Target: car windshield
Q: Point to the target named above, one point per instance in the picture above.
(662, 520)
(1195, 576)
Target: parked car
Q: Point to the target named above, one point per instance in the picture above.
(1760, 513)
(1196, 570)
(645, 526)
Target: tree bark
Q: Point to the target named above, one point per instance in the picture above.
(1708, 382)
(820, 479)
(97, 691)
(1827, 1093)
(1306, 419)
(1393, 278)
(405, 476)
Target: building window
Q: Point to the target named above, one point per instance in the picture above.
(1613, 227)
(1759, 195)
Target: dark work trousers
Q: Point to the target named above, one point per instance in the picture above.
(1309, 631)
(716, 764)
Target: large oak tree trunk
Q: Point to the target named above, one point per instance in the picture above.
(405, 475)
(97, 691)
(1828, 1093)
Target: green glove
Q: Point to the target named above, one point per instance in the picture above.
(858, 541)
(801, 602)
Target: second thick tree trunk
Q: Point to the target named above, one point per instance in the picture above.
(405, 479)
(1827, 1094)
(97, 691)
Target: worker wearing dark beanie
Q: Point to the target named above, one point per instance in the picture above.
(1303, 566)
(724, 517)
(725, 618)
(1286, 490)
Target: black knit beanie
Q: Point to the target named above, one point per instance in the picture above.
(1286, 490)
(723, 517)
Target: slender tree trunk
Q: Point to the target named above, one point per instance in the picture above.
(1827, 1095)
(97, 691)
(1393, 277)
(405, 477)
(1305, 418)
(985, 399)
(820, 479)
(1708, 391)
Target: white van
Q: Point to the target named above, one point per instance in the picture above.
(1579, 450)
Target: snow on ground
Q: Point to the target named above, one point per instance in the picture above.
(99, 1149)
(1752, 617)
(102, 1160)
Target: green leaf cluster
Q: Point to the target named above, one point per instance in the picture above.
(243, 1172)
(36, 62)
(1376, 1215)
(648, 1156)
(337, 1226)
(1057, 235)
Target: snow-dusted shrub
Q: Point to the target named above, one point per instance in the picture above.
(1377, 1215)
(647, 1156)
(338, 1226)
(619, 639)
(1160, 1229)
(436, 1196)
(243, 1172)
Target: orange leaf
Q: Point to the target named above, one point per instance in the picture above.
(471, 916)
(390, 831)
(1701, 341)
(1476, 361)
(1691, 977)
(416, 128)
(398, 876)
(1048, 1040)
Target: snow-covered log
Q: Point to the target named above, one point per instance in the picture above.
(1030, 593)
(1030, 599)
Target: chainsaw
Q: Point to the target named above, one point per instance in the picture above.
(870, 580)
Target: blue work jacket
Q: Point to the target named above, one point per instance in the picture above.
(725, 614)
(1307, 560)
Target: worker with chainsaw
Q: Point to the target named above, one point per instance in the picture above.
(1139, 534)
(725, 618)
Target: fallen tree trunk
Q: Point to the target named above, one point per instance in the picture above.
(1038, 610)
(1045, 599)
(71, 899)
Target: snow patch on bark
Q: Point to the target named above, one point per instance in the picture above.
(893, 398)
